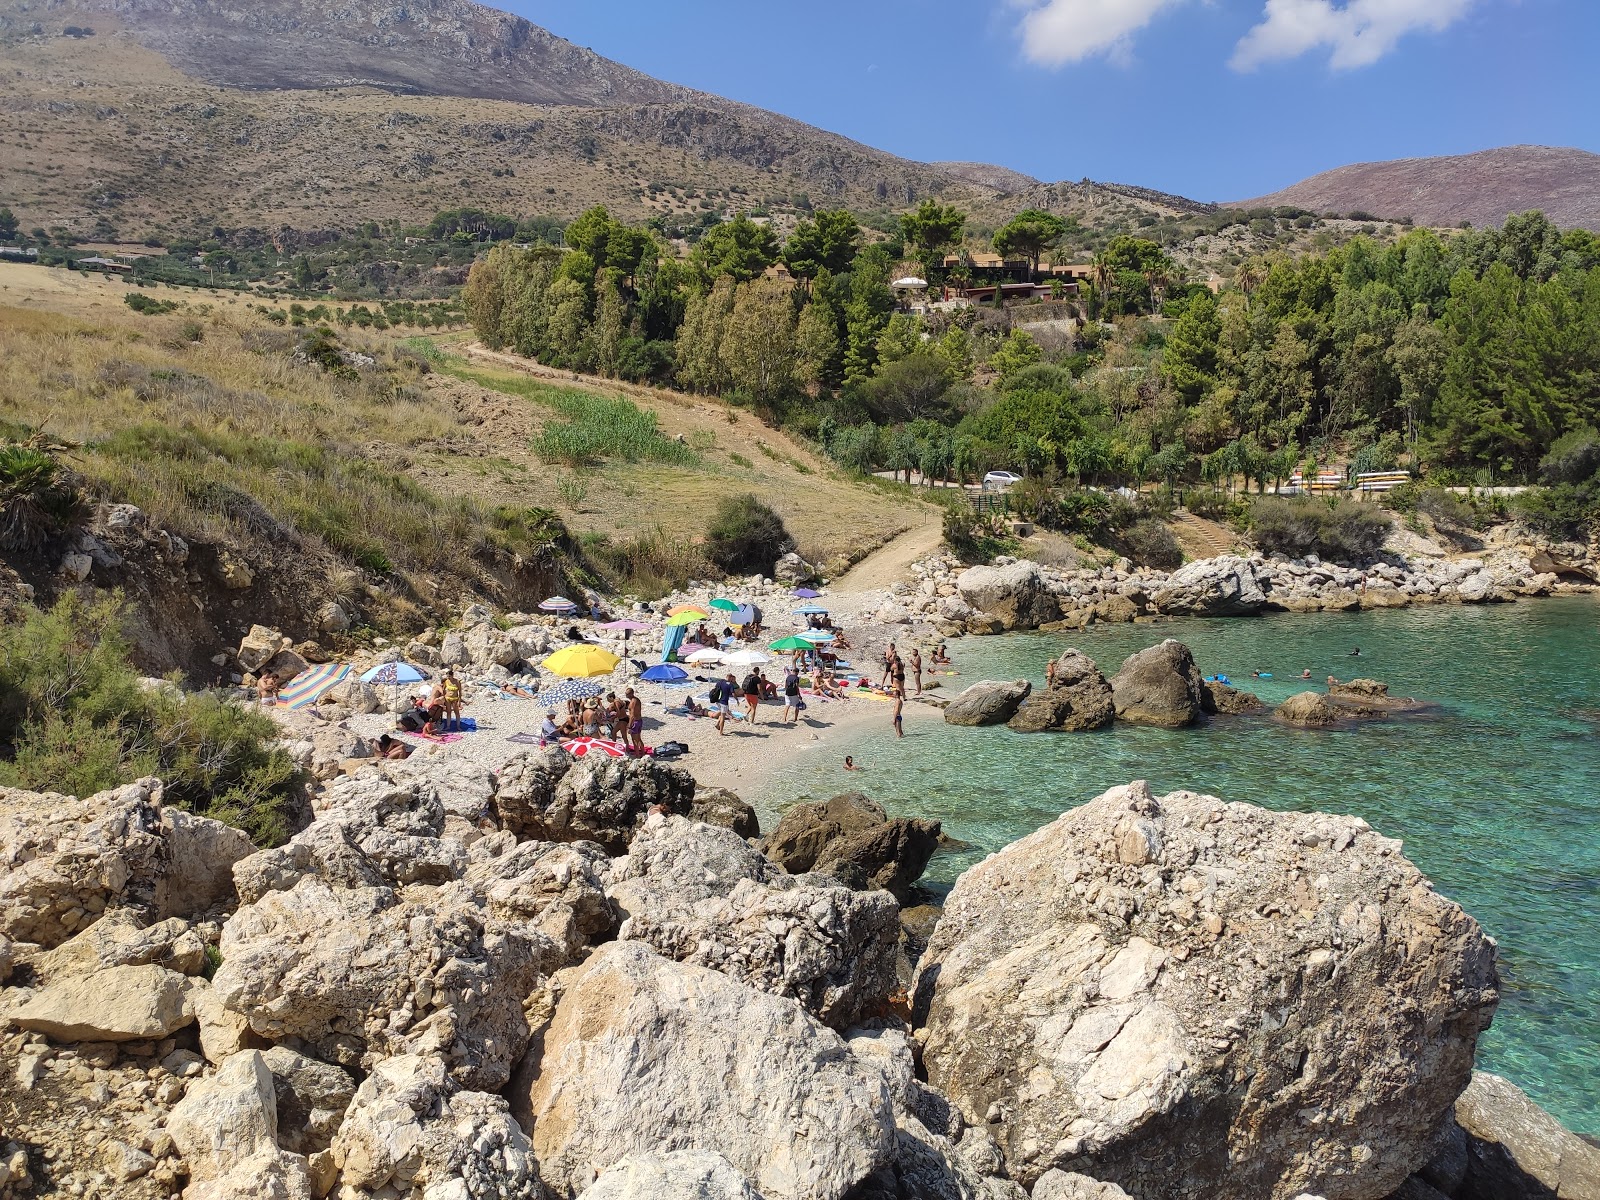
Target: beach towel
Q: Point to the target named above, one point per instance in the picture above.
(442, 739)
(526, 739)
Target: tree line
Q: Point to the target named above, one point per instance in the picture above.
(1470, 353)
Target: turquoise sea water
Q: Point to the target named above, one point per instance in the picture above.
(1496, 795)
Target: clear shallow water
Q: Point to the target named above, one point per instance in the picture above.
(1497, 795)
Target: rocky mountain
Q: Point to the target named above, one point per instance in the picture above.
(1001, 179)
(1482, 188)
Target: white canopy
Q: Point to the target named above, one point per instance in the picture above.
(909, 283)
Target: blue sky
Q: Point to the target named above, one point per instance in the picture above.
(1214, 99)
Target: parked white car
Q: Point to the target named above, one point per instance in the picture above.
(1000, 481)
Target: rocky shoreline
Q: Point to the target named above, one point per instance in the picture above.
(594, 979)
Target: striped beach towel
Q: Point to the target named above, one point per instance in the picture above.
(306, 688)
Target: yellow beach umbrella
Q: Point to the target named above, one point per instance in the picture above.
(682, 619)
(688, 608)
(581, 661)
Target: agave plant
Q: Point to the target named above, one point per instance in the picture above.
(38, 499)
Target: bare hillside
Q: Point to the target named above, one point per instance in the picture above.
(138, 115)
(1482, 188)
(1001, 179)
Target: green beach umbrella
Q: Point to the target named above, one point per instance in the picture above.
(726, 605)
(792, 643)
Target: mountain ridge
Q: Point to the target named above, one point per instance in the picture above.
(1484, 187)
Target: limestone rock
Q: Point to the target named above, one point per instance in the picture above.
(119, 1004)
(1225, 700)
(805, 830)
(64, 860)
(311, 1098)
(988, 703)
(594, 800)
(718, 806)
(257, 648)
(673, 1175)
(644, 1053)
(117, 940)
(226, 1129)
(552, 889)
(223, 1033)
(408, 1129)
(1063, 1185)
(1517, 1151)
(891, 856)
(1156, 992)
(698, 894)
(1016, 595)
(1226, 586)
(1078, 698)
(360, 974)
(1308, 710)
(1160, 686)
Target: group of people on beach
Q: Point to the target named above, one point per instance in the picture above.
(622, 717)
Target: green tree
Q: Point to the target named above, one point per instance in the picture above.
(8, 224)
(1030, 233)
(758, 347)
(740, 249)
(700, 362)
(901, 338)
(932, 229)
(817, 345)
(1189, 360)
(907, 389)
(826, 242)
(866, 313)
(1019, 350)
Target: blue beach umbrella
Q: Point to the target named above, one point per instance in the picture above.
(811, 610)
(571, 689)
(819, 636)
(394, 673)
(806, 593)
(665, 673)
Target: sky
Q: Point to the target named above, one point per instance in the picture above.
(1211, 99)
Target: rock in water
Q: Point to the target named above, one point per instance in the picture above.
(806, 830)
(1161, 993)
(643, 1053)
(1079, 698)
(1016, 595)
(851, 838)
(1160, 686)
(1517, 1151)
(987, 703)
(1225, 586)
(1223, 700)
(1308, 710)
(677, 1175)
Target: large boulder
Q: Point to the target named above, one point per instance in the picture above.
(699, 894)
(600, 800)
(1517, 1151)
(118, 940)
(120, 1004)
(311, 1098)
(719, 806)
(1078, 699)
(359, 974)
(645, 1054)
(1160, 686)
(1222, 699)
(409, 1132)
(1158, 993)
(226, 1129)
(1016, 595)
(851, 838)
(1064, 1185)
(550, 888)
(1226, 586)
(1308, 710)
(672, 1175)
(991, 702)
(64, 860)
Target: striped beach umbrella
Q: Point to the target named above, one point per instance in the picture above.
(306, 688)
(583, 747)
(571, 689)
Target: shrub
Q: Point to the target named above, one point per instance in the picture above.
(1151, 544)
(746, 535)
(1573, 458)
(74, 716)
(148, 305)
(1337, 530)
(1567, 512)
(975, 538)
(38, 500)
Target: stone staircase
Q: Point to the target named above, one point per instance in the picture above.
(1201, 538)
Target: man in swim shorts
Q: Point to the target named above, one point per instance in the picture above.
(635, 723)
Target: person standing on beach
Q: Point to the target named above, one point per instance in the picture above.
(450, 687)
(752, 695)
(889, 657)
(721, 696)
(899, 672)
(791, 694)
(635, 723)
(899, 710)
(916, 667)
(1050, 674)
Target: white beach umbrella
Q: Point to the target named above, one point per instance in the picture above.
(747, 658)
(706, 655)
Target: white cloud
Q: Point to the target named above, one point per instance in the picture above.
(1358, 32)
(1057, 32)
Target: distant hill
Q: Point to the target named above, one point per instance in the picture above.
(1482, 188)
(1002, 179)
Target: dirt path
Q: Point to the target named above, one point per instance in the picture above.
(891, 564)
